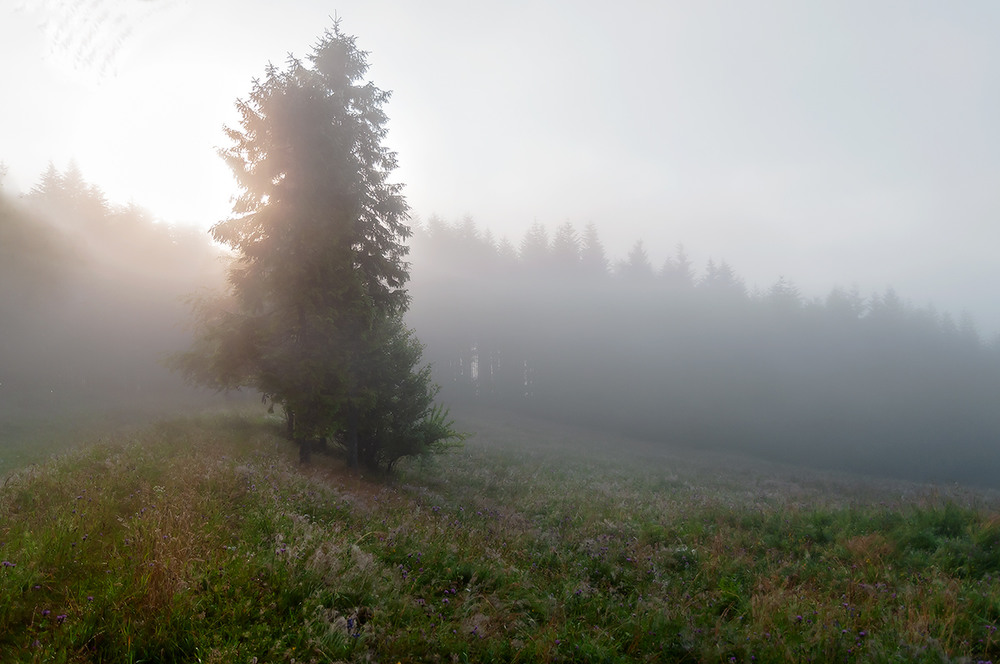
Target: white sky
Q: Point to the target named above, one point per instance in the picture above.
(835, 143)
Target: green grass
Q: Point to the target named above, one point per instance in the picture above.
(204, 540)
(27, 441)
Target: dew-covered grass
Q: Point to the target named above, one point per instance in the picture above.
(204, 540)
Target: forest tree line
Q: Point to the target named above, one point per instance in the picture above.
(92, 299)
(553, 327)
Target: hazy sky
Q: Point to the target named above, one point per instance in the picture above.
(834, 143)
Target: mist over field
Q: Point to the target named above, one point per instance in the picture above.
(830, 171)
(94, 297)
(690, 355)
(655, 332)
(92, 300)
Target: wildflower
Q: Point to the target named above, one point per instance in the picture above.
(45, 612)
(7, 563)
(60, 618)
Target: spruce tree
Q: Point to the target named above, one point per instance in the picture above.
(319, 230)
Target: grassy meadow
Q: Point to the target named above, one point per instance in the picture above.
(203, 540)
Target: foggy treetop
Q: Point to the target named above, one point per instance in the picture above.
(570, 257)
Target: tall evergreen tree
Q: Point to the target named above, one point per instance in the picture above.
(506, 252)
(784, 295)
(636, 268)
(50, 183)
(535, 248)
(566, 250)
(846, 305)
(677, 270)
(593, 260)
(318, 282)
(720, 279)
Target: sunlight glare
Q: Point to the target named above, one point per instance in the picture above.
(108, 49)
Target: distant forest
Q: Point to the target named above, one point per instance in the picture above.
(554, 328)
(92, 299)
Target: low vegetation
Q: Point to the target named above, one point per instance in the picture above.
(203, 540)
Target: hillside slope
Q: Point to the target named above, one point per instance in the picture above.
(203, 540)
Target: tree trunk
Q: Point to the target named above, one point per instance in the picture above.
(352, 435)
(305, 450)
(289, 424)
